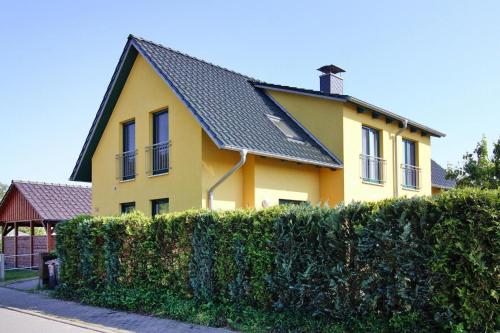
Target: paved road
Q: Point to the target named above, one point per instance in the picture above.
(23, 312)
(14, 321)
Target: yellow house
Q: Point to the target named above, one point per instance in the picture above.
(174, 132)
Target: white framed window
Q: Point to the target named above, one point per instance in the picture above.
(410, 170)
(372, 164)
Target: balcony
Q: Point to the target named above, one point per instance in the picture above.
(125, 165)
(410, 176)
(157, 159)
(372, 169)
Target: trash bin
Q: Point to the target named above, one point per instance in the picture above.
(53, 267)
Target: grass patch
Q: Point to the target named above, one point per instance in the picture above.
(19, 274)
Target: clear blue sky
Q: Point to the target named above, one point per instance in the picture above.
(436, 62)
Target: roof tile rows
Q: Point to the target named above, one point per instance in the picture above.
(230, 108)
(438, 175)
(56, 201)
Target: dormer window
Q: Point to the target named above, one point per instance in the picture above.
(284, 128)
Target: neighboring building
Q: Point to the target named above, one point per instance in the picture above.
(37, 205)
(171, 127)
(439, 181)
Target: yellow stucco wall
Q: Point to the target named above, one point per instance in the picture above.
(196, 162)
(249, 182)
(355, 188)
(437, 190)
(143, 94)
(323, 118)
(258, 180)
(216, 163)
(275, 179)
(338, 126)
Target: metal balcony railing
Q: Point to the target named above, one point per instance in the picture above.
(125, 164)
(410, 176)
(157, 158)
(372, 169)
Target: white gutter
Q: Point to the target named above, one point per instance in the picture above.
(243, 158)
(396, 170)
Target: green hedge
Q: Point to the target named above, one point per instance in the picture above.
(407, 265)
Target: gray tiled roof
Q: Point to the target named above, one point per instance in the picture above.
(54, 201)
(438, 175)
(231, 110)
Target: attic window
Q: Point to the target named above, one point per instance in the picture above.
(285, 129)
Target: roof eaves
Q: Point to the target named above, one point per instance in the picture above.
(360, 102)
(285, 157)
(5, 195)
(442, 186)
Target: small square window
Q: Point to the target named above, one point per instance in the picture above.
(284, 128)
(127, 207)
(159, 206)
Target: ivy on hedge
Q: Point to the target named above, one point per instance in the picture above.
(406, 265)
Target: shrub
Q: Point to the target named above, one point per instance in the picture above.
(405, 265)
(466, 259)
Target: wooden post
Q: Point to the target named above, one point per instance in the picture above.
(16, 234)
(32, 232)
(50, 237)
(47, 232)
(3, 239)
(2, 267)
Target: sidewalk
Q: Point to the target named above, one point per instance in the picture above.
(26, 284)
(92, 318)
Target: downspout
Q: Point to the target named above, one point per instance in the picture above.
(396, 171)
(243, 158)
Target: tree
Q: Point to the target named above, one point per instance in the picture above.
(3, 189)
(478, 169)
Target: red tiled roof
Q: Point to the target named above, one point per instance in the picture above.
(56, 201)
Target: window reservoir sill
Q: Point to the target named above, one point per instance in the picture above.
(410, 188)
(127, 180)
(372, 182)
(153, 175)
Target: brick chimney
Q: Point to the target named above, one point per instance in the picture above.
(330, 81)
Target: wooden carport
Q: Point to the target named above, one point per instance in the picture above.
(37, 205)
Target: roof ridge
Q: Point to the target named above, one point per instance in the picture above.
(50, 184)
(285, 86)
(193, 57)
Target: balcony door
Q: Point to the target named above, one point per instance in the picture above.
(410, 170)
(370, 158)
(160, 143)
(128, 161)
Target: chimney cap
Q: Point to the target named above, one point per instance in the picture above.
(331, 69)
